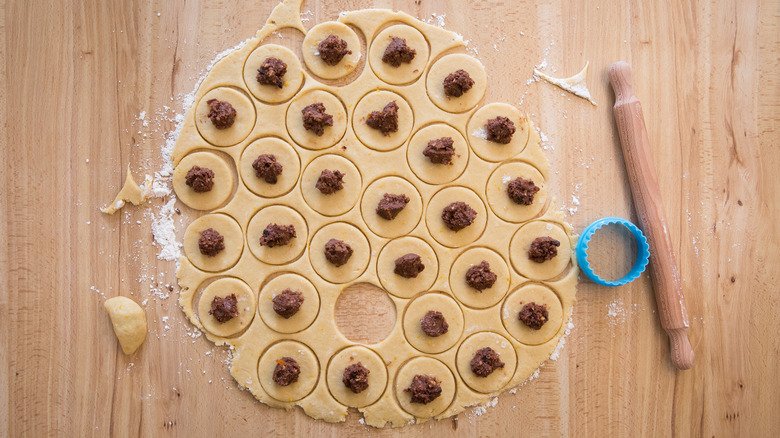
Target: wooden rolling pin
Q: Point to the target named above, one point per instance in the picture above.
(652, 218)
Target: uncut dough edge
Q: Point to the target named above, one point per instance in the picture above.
(395, 350)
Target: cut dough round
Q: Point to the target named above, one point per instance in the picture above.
(305, 315)
(311, 54)
(496, 380)
(450, 64)
(377, 376)
(407, 219)
(416, 310)
(245, 117)
(467, 294)
(308, 139)
(356, 264)
(532, 293)
(337, 203)
(224, 225)
(521, 243)
(374, 138)
(223, 181)
(293, 79)
(280, 215)
(439, 230)
(490, 150)
(430, 367)
(407, 287)
(433, 173)
(284, 153)
(500, 202)
(221, 288)
(404, 73)
(307, 380)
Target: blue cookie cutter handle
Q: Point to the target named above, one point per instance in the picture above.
(643, 251)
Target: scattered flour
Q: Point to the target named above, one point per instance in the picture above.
(164, 232)
(481, 410)
(556, 354)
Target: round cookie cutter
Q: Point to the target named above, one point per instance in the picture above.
(642, 256)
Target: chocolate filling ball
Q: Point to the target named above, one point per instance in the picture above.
(315, 119)
(332, 49)
(480, 277)
(440, 150)
(330, 181)
(533, 315)
(277, 235)
(356, 377)
(424, 389)
(398, 52)
(287, 303)
(211, 242)
(543, 249)
(224, 309)
(500, 130)
(201, 179)
(433, 324)
(409, 265)
(458, 216)
(337, 252)
(391, 205)
(267, 168)
(286, 371)
(486, 361)
(385, 121)
(522, 191)
(221, 113)
(457, 83)
(271, 72)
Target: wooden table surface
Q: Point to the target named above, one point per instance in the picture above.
(75, 76)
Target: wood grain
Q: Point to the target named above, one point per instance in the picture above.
(76, 75)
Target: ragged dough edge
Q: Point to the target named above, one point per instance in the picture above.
(250, 345)
(130, 192)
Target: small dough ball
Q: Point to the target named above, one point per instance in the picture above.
(129, 321)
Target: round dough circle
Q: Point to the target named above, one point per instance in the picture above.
(521, 243)
(498, 198)
(311, 55)
(336, 203)
(439, 230)
(433, 173)
(496, 380)
(425, 366)
(377, 376)
(331, 135)
(245, 117)
(407, 219)
(407, 287)
(307, 380)
(293, 79)
(356, 264)
(223, 181)
(284, 153)
(224, 225)
(490, 150)
(416, 310)
(449, 64)
(532, 293)
(280, 215)
(404, 73)
(467, 294)
(373, 138)
(222, 288)
(305, 315)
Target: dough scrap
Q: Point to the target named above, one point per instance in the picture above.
(575, 84)
(129, 321)
(130, 192)
(387, 164)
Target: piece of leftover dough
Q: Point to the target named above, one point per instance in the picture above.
(130, 192)
(129, 321)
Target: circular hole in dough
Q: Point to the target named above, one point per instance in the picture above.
(377, 376)
(406, 72)
(223, 181)
(532, 293)
(467, 294)
(307, 380)
(331, 134)
(373, 138)
(407, 287)
(336, 203)
(284, 153)
(450, 64)
(430, 367)
(311, 54)
(500, 376)
(233, 240)
(357, 263)
(406, 220)
(490, 150)
(498, 198)
(416, 310)
(364, 313)
(293, 78)
(521, 243)
(245, 117)
(280, 215)
(433, 173)
(439, 230)
(303, 318)
(221, 288)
